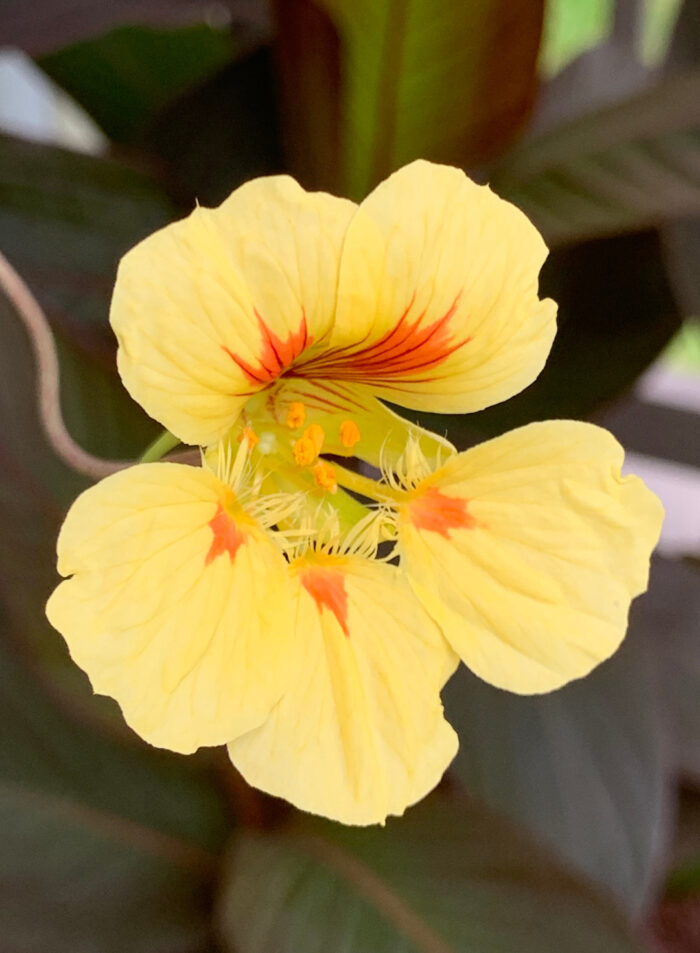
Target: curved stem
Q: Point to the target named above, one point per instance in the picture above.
(161, 445)
(48, 379)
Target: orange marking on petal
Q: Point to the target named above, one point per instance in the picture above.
(349, 433)
(438, 513)
(327, 588)
(407, 348)
(276, 355)
(228, 536)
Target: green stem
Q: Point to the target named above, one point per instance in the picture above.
(160, 446)
(365, 486)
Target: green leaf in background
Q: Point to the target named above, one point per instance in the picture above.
(443, 81)
(617, 169)
(448, 877)
(681, 244)
(220, 134)
(102, 847)
(65, 220)
(670, 621)
(122, 78)
(584, 769)
(682, 236)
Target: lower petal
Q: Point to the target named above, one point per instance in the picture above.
(527, 551)
(169, 609)
(361, 733)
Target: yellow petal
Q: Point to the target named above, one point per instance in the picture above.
(212, 308)
(437, 299)
(177, 605)
(360, 734)
(527, 551)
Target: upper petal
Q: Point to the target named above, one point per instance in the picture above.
(177, 606)
(437, 298)
(360, 734)
(212, 308)
(528, 549)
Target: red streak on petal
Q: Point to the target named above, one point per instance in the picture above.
(438, 513)
(407, 348)
(327, 586)
(228, 536)
(276, 355)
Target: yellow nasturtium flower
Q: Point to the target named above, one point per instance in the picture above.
(244, 601)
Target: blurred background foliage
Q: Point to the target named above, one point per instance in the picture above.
(569, 822)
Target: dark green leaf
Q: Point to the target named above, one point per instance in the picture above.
(684, 876)
(122, 78)
(671, 623)
(103, 848)
(621, 168)
(65, 220)
(418, 78)
(217, 136)
(583, 768)
(682, 237)
(447, 878)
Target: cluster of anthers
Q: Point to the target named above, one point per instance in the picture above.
(305, 593)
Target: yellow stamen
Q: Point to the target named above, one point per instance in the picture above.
(349, 433)
(296, 415)
(308, 447)
(324, 476)
(250, 435)
(366, 486)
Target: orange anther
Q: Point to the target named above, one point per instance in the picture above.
(308, 447)
(296, 415)
(316, 435)
(349, 433)
(324, 476)
(304, 451)
(250, 435)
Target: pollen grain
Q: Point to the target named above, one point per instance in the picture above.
(349, 433)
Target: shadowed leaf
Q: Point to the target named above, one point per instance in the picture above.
(123, 77)
(617, 169)
(218, 135)
(447, 878)
(65, 220)
(418, 78)
(103, 848)
(583, 768)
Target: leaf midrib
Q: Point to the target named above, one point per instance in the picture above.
(121, 830)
